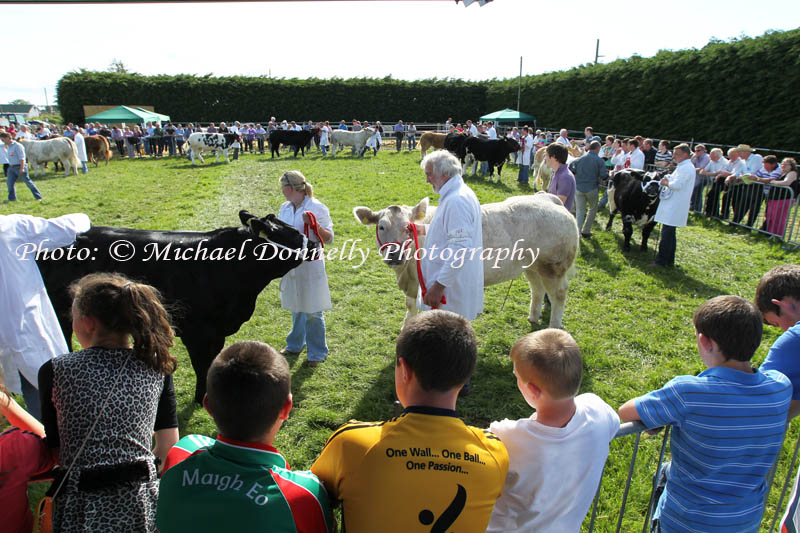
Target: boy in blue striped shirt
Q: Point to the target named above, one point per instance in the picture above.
(727, 425)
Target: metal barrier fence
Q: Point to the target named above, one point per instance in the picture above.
(768, 209)
(636, 429)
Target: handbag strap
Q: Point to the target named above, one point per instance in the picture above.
(91, 428)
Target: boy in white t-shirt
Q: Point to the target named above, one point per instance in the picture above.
(558, 453)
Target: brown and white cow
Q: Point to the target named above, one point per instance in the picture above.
(530, 234)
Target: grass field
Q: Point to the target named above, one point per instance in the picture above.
(633, 324)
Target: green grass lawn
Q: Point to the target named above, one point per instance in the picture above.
(633, 324)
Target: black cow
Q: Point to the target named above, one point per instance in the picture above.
(296, 139)
(494, 151)
(634, 194)
(454, 143)
(209, 280)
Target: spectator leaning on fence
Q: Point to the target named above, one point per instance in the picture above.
(525, 155)
(649, 152)
(399, 129)
(673, 207)
(716, 164)
(712, 484)
(563, 138)
(699, 160)
(780, 198)
(635, 156)
(411, 135)
(589, 170)
(556, 455)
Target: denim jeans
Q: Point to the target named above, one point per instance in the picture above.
(524, 173)
(84, 167)
(324, 150)
(412, 142)
(696, 203)
(398, 138)
(308, 329)
(666, 247)
(31, 395)
(11, 178)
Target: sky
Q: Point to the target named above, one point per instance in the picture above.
(407, 40)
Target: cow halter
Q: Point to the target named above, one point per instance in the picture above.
(413, 228)
(382, 245)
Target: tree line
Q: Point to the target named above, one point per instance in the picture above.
(743, 90)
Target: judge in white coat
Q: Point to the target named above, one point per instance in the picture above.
(304, 290)
(451, 265)
(80, 144)
(30, 334)
(673, 208)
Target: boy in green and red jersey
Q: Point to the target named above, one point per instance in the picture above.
(239, 482)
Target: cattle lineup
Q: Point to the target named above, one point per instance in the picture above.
(94, 313)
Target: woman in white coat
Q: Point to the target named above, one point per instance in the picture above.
(80, 144)
(304, 290)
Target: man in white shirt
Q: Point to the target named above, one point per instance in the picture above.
(30, 334)
(473, 130)
(636, 156)
(716, 164)
(491, 132)
(525, 155)
(673, 208)
(562, 138)
(452, 270)
(80, 144)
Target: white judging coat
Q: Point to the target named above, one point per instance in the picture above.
(305, 289)
(531, 234)
(30, 334)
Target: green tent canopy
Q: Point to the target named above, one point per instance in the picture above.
(128, 115)
(508, 115)
(159, 116)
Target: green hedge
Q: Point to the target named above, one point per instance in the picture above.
(211, 99)
(746, 90)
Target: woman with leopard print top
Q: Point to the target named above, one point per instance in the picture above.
(122, 380)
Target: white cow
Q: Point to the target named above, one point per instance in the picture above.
(211, 142)
(356, 139)
(37, 153)
(530, 234)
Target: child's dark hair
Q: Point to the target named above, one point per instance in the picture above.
(124, 306)
(247, 383)
(558, 152)
(781, 281)
(733, 323)
(440, 348)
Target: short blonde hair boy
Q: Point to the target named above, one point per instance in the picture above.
(552, 360)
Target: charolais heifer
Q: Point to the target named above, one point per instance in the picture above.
(37, 153)
(209, 280)
(356, 139)
(532, 235)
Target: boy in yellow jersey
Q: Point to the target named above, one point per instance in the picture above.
(424, 471)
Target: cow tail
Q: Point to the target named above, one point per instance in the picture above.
(108, 153)
(73, 160)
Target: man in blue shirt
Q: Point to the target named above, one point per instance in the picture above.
(589, 170)
(398, 134)
(778, 298)
(17, 167)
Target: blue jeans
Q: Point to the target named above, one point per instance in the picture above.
(696, 203)
(484, 168)
(308, 329)
(324, 150)
(11, 178)
(666, 247)
(84, 167)
(524, 173)
(31, 395)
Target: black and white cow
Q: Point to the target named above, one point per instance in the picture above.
(296, 139)
(494, 151)
(634, 194)
(211, 142)
(209, 280)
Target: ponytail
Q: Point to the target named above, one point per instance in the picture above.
(124, 306)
